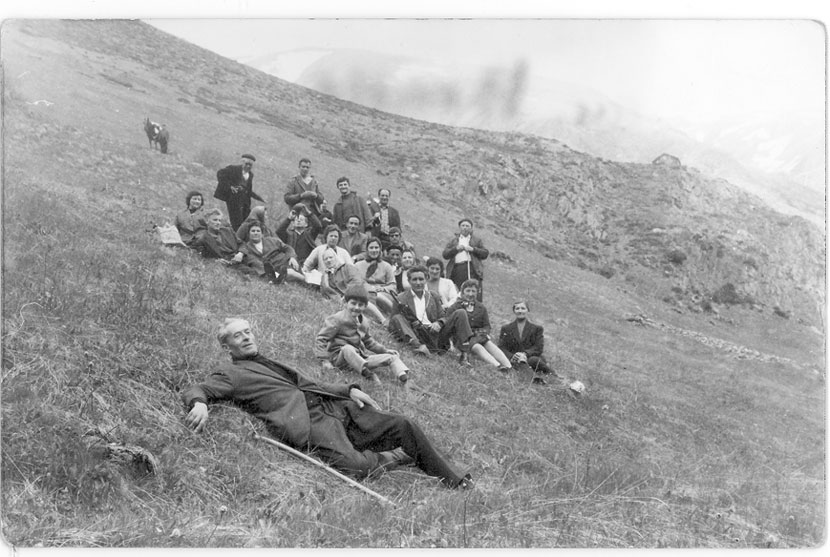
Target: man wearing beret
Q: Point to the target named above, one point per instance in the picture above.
(464, 254)
(340, 423)
(234, 186)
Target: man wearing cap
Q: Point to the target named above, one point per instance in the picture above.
(339, 422)
(344, 341)
(464, 254)
(303, 188)
(234, 186)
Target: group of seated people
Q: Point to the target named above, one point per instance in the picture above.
(376, 273)
(355, 254)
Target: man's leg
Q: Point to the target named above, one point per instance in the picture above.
(394, 362)
(329, 440)
(457, 328)
(371, 430)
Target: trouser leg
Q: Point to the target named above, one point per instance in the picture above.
(329, 439)
(382, 431)
(394, 362)
(351, 358)
(457, 328)
(538, 364)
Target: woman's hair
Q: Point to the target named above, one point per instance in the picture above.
(373, 241)
(254, 224)
(468, 283)
(331, 228)
(190, 195)
(435, 261)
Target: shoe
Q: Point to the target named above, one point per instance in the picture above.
(466, 482)
(414, 343)
(422, 349)
(539, 381)
(403, 378)
(505, 369)
(464, 359)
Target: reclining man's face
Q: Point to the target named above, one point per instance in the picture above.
(240, 341)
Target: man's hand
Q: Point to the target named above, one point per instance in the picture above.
(393, 352)
(238, 257)
(308, 195)
(435, 327)
(468, 248)
(520, 357)
(197, 417)
(362, 398)
(327, 365)
(293, 264)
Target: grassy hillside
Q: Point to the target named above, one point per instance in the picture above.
(702, 430)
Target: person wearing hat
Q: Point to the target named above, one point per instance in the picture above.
(234, 186)
(464, 254)
(344, 341)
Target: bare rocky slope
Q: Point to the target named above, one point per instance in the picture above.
(667, 229)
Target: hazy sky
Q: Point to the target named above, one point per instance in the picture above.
(698, 70)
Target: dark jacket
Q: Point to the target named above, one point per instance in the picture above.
(239, 203)
(304, 243)
(352, 204)
(274, 252)
(478, 317)
(276, 399)
(532, 341)
(394, 219)
(341, 329)
(296, 187)
(224, 246)
(476, 256)
(406, 307)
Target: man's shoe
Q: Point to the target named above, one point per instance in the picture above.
(466, 482)
(403, 377)
(464, 359)
(422, 349)
(505, 369)
(539, 381)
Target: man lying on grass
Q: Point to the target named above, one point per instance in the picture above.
(338, 422)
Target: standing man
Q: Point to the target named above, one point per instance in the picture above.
(338, 422)
(350, 204)
(303, 188)
(384, 217)
(234, 186)
(464, 254)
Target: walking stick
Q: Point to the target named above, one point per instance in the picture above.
(328, 469)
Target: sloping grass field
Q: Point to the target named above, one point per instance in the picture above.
(675, 442)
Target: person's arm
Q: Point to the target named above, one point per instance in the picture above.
(292, 196)
(362, 398)
(538, 339)
(256, 196)
(479, 250)
(367, 215)
(217, 386)
(311, 261)
(282, 229)
(451, 249)
(314, 225)
(325, 335)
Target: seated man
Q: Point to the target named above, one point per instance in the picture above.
(421, 322)
(353, 240)
(396, 239)
(344, 341)
(299, 230)
(339, 422)
(523, 342)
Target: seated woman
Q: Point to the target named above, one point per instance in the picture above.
(315, 258)
(480, 343)
(407, 262)
(523, 342)
(338, 277)
(270, 258)
(379, 276)
(190, 221)
(258, 215)
(436, 283)
(218, 241)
